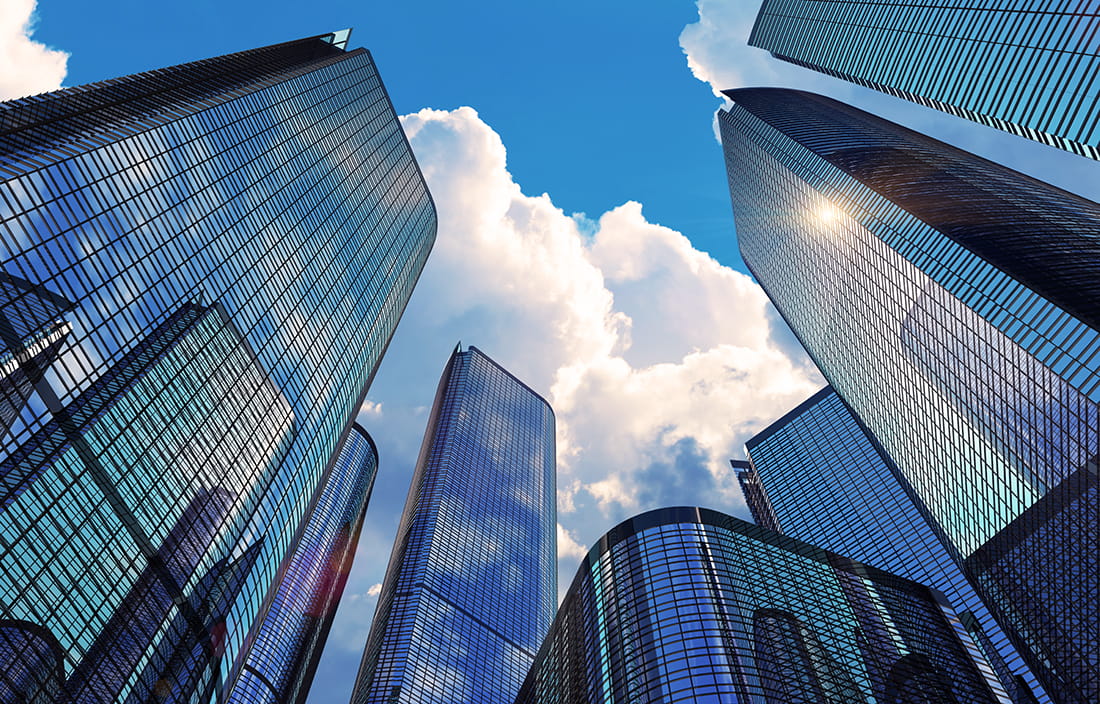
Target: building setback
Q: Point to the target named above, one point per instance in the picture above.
(470, 588)
(1028, 70)
(200, 268)
(952, 303)
(691, 605)
(281, 664)
(826, 482)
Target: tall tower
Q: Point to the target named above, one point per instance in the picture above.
(691, 605)
(1025, 68)
(953, 304)
(470, 588)
(280, 666)
(200, 268)
(818, 475)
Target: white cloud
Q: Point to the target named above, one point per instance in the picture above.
(624, 419)
(371, 409)
(568, 547)
(570, 555)
(498, 249)
(26, 67)
(659, 361)
(716, 48)
(374, 589)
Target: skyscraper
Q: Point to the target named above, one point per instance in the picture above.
(691, 605)
(469, 592)
(818, 475)
(1027, 68)
(952, 303)
(281, 663)
(194, 630)
(200, 268)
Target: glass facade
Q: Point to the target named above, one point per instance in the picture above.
(828, 484)
(470, 588)
(1026, 67)
(979, 379)
(691, 605)
(1058, 535)
(34, 671)
(35, 339)
(200, 268)
(282, 661)
(756, 496)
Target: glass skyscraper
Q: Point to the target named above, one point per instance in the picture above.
(952, 303)
(282, 661)
(1029, 68)
(470, 588)
(691, 605)
(200, 268)
(818, 476)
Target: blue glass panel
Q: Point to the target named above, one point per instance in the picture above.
(470, 589)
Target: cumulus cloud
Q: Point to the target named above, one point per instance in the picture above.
(370, 409)
(716, 48)
(26, 67)
(659, 361)
(568, 547)
(374, 589)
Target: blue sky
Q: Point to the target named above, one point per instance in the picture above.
(562, 83)
(586, 240)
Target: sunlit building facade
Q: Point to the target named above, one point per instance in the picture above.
(691, 605)
(200, 268)
(820, 477)
(282, 661)
(469, 592)
(1027, 68)
(952, 303)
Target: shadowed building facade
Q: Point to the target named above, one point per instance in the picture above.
(1027, 68)
(691, 605)
(815, 474)
(200, 268)
(953, 304)
(469, 592)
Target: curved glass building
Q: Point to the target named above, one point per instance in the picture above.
(954, 305)
(692, 605)
(470, 588)
(1025, 67)
(283, 659)
(200, 269)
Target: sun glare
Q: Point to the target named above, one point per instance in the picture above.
(827, 214)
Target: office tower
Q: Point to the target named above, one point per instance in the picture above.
(187, 663)
(691, 605)
(112, 459)
(815, 474)
(470, 588)
(200, 268)
(147, 608)
(35, 670)
(952, 304)
(281, 664)
(1027, 68)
